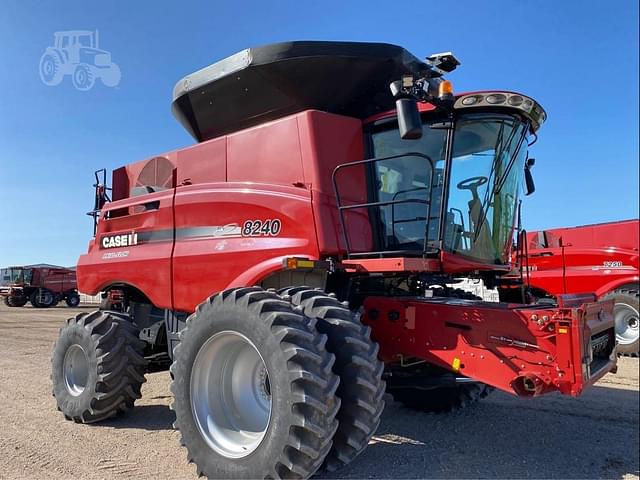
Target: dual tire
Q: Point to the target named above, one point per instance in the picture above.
(277, 407)
(361, 388)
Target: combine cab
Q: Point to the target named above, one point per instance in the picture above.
(296, 263)
(43, 286)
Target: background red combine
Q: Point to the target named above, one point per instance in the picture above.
(600, 258)
(43, 286)
(294, 264)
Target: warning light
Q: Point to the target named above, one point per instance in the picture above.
(292, 263)
(456, 364)
(445, 89)
(563, 330)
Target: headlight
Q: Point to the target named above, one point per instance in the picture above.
(529, 107)
(496, 98)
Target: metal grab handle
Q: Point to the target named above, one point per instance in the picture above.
(342, 207)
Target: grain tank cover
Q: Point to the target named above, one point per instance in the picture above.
(265, 83)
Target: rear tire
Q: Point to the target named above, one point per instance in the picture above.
(441, 400)
(97, 366)
(267, 347)
(361, 386)
(625, 313)
(50, 69)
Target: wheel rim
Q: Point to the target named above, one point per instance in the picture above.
(230, 394)
(627, 323)
(75, 369)
(48, 68)
(45, 297)
(81, 78)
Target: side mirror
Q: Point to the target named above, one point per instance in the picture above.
(409, 121)
(528, 177)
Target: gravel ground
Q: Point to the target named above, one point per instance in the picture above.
(595, 436)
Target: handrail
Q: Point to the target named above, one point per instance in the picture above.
(393, 202)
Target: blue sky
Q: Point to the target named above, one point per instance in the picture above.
(579, 59)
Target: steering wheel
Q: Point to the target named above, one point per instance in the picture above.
(472, 183)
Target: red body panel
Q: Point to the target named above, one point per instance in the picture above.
(216, 259)
(593, 258)
(58, 280)
(280, 171)
(145, 266)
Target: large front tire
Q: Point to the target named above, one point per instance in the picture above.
(361, 386)
(97, 366)
(254, 394)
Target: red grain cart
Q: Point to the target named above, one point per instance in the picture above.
(293, 265)
(601, 258)
(43, 286)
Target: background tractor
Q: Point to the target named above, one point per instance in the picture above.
(294, 265)
(76, 53)
(43, 286)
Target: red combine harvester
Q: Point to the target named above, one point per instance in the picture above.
(43, 286)
(293, 265)
(601, 258)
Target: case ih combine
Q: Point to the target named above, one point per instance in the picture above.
(600, 258)
(293, 264)
(43, 286)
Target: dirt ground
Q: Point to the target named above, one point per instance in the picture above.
(595, 436)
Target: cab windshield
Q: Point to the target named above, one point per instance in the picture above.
(16, 275)
(486, 167)
(486, 171)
